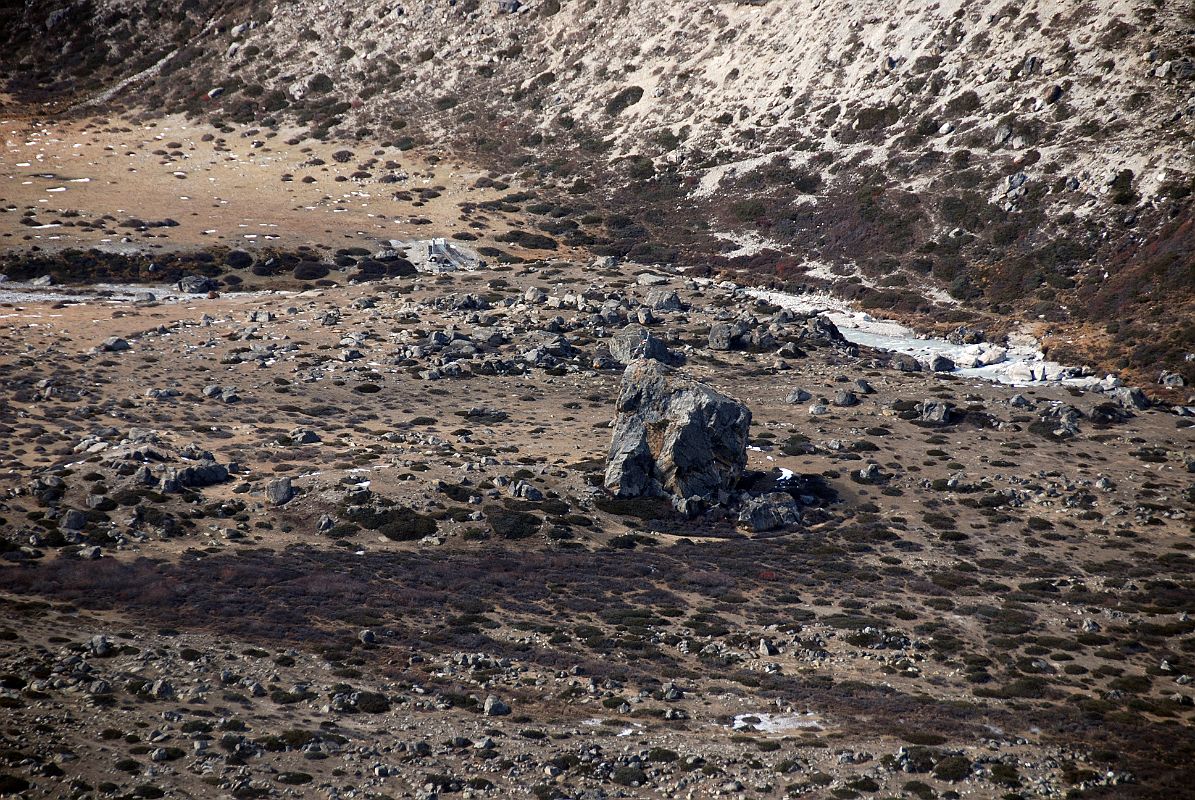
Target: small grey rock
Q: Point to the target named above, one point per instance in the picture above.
(769, 512)
(279, 491)
(114, 344)
(797, 396)
(935, 411)
(196, 284)
(941, 363)
(845, 398)
(634, 342)
(73, 520)
(494, 707)
(1130, 397)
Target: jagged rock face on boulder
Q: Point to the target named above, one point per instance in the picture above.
(675, 437)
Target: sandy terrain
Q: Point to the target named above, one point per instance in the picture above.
(243, 191)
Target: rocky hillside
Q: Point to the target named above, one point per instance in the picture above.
(1029, 160)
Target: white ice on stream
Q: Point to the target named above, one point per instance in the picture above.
(17, 292)
(765, 722)
(1019, 364)
(24, 292)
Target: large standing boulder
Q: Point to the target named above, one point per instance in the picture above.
(675, 437)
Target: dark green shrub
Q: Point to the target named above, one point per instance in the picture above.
(963, 103)
(508, 524)
(629, 776)
(310, 271)
(952, 769)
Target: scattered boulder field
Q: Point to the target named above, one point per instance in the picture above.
(591, 399)
(586, 400)
(572, 529)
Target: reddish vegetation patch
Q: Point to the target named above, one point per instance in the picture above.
(1160, 269)
(1147, 303)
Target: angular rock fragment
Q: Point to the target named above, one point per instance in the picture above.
(279, 491)
(663, 300)
(303, 436)
(197, 284)
(769, 512)
(114, 344)
(941, 363)
(935, 412)
(495, 708)
(1171, 380)
(727, 335)
(635, 342)
(845, 398)
(73, 520)
(194, 476)
(1061, 421)
(1130, 397)
(904, 363)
